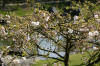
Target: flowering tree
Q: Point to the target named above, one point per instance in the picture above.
(63, 33)
(15, 32)
(66, 33)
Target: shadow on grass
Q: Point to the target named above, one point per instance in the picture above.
(79, 65)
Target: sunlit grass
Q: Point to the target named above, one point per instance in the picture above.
(19, 11)
(23, 12)
(75, 60)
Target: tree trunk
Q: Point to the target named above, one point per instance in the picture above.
(1, 62)
(66, 59)
(3, 3)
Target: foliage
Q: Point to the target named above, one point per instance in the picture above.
(66, 34)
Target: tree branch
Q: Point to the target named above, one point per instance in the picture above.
(49, 51)
(51, 57)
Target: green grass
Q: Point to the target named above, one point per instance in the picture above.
(19, 11)
(3, 12)
(41, 62)
(75, 60)
(23, 12)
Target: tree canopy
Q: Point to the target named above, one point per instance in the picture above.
(75, 30)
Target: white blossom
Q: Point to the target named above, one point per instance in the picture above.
(84, 29)
(90, 33)
(43, 14)
(35, 23)
(2, 31)
(75, 18)
(47, 18)
(16, 61)
(70, 30)
(94, 33)
(14, 25)
(14, 39)
(96, 16)
(24, 58)
(7, 59)
(95, 48)
(98, 20)
(28, 38)
(8, 47)
(8, 22)
(8, 16)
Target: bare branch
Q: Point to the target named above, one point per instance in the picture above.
(49, 51)
(44, 34)
(51, 57)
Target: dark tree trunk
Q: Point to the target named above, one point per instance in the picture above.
(66, 59)
(3, 3)
(1, 62)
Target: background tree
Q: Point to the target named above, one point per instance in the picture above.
(3, 3)
(66, 33)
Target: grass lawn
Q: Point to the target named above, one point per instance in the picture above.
(18, 11)
(75, 60)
